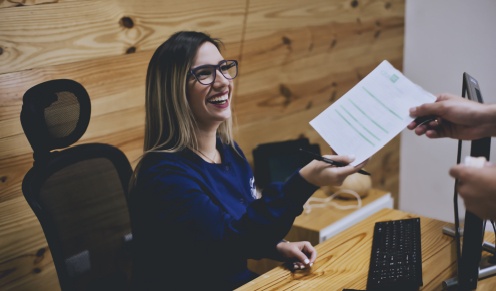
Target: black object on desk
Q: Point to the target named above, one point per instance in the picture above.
(276, 161)
(396, 256)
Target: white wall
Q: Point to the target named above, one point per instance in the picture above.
(443, 39)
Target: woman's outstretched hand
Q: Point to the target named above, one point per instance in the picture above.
(323, 174)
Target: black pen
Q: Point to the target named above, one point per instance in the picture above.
(425, 120)
(329, 161)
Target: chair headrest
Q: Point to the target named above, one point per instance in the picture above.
(55, 114)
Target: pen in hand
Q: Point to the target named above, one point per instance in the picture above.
(329, 161)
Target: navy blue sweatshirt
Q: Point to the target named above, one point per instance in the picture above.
(195, 224)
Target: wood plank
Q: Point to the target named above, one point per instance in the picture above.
(44, 35)
(291, 69)
(24, 254)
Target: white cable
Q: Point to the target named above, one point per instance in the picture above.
(316, 202)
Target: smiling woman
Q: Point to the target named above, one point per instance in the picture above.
(193, 202)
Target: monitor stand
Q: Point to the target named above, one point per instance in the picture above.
(485, 272)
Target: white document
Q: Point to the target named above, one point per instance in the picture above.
(373, 112)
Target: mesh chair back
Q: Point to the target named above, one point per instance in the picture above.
(78, 193)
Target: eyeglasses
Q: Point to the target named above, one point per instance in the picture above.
(206, 74)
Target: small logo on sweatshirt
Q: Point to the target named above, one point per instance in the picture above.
(253, 188)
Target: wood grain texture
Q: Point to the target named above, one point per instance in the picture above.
(343, 260)
(65, 32)
(296, 58)
(60, 40)
(18, 3)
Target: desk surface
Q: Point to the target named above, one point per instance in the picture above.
(343, 260)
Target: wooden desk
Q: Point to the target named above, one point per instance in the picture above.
(322, 223)
(343, 260)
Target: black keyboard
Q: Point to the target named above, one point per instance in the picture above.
(396, 258)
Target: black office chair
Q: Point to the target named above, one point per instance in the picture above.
(78, 193)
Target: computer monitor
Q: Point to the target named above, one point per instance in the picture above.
(473, 231)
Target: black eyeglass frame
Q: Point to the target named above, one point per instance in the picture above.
(216, 68)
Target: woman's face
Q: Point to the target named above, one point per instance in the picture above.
(210, 103)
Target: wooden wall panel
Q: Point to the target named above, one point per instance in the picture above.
(296, 57)
(299, 57)
(56, 33)
(82, 41)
